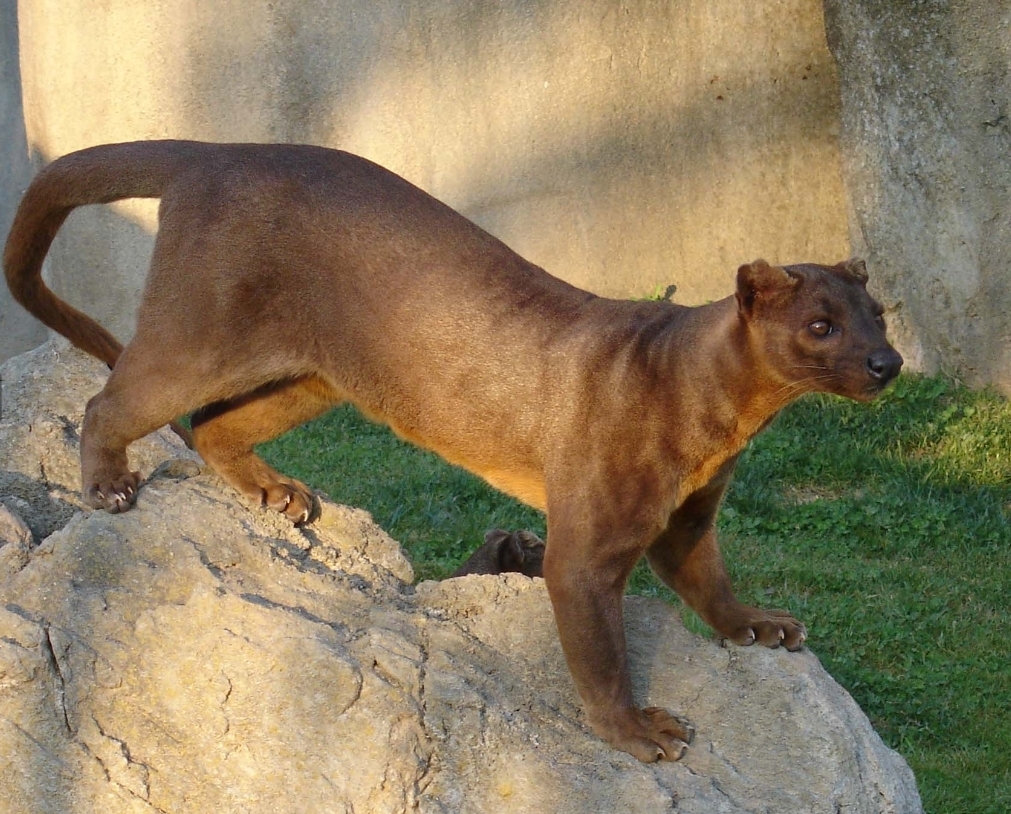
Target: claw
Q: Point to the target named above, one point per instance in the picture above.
(680, 746)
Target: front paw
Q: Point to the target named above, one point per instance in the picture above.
(649, 734)
(771, 628)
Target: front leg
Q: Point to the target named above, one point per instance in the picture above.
(686, 556)
(586, 573)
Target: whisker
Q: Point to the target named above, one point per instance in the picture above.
(787, 391)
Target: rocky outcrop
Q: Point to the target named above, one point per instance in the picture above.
(199, 654)
(925, 135)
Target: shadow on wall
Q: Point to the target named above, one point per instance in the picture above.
(621, 151)
(619, 155)
(18, 331)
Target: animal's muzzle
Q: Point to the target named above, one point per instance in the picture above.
(884, 365)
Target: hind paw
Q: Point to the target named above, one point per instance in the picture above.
(292, 499)
(114, 495)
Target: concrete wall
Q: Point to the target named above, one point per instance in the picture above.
(18, 331)
(926, 139)
(623, 146)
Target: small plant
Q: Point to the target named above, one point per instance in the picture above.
(662, 292)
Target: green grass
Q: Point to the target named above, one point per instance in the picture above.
(439, 513)
(885, 527)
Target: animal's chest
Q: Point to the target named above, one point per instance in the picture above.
(711, 456)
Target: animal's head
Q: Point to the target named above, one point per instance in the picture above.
(519, 551)
(816, 327)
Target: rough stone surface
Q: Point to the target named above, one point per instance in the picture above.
(926, 134)
(199, 654)
(43, 399)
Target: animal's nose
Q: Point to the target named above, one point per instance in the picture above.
(884, 365)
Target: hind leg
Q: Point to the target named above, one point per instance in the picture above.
(138, 398)
(225, 433)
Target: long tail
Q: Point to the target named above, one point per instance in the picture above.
(101, 174)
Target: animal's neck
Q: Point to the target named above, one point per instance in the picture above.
(743, 388)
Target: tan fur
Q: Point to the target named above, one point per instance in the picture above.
(286, 279)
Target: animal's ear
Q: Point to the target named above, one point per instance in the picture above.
(494, 538)
(760, 282)
(854, 268)
(511, 555)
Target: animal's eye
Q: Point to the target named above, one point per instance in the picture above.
(821, 327)
(880, 320)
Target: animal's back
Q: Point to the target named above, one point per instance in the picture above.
(324, 260)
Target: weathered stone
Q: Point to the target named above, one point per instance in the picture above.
(926, 131)
(15, 536)
(41, 419)
(200, 654)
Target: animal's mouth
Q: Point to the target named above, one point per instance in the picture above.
(873, 390)
(864, 388)
(876, 386)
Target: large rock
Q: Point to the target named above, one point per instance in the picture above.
(199, 654)
(926, 132)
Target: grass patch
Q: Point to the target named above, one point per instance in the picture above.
(885, 527)
(437, 512)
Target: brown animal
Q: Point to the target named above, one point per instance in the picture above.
(287, 279)
(503, 552)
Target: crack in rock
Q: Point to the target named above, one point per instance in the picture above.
(53, 659)
(113, 754)
(302, 613)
